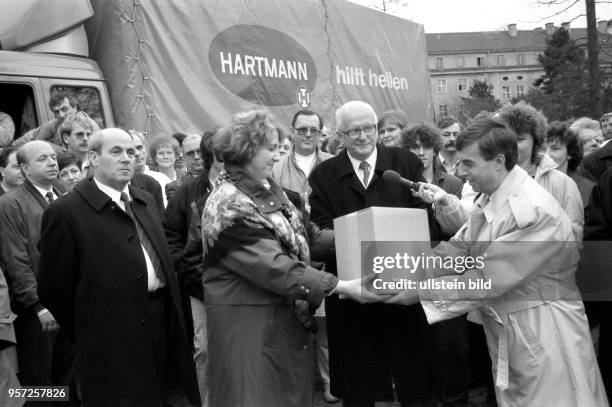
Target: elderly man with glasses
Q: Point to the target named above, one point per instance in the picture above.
(374, 349)
(194, 165)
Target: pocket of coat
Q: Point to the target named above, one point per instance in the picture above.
(272, 330)
(524, 333)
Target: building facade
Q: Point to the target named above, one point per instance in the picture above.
(507, 60)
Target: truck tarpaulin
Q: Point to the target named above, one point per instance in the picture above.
(189, 65)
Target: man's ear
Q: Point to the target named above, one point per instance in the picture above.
(93, 158)
(24, 168)
(500, 160)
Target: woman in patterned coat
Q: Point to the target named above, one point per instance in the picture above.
(259, 288)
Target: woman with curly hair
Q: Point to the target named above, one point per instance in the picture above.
(563, 145)
(530, 127)
(260, 289)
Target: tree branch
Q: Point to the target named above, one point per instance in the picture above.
(557, 2)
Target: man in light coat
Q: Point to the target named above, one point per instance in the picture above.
(537, 332)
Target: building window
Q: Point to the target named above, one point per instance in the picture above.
(460, 61)
(505, 78)
(439, 62)
(462, 84)
(501, 60)
(520, 77)
(441, 85)
(480, 61)
(505, 93)
(520, 91)
(443, 110)
(520, 59)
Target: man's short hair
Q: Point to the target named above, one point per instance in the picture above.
(249, 132)
(445, 122)
(180, 137)
(427, 135)
(306, 113)
(348, 106)
(80, 118)
(394, 117)
(493, 138)
(605, 116)
(569, 138)
(584, 123)
(4, 155)
(191, 137)
(7, 129)
(22, 157)
(96, 141)
(66, 159)
(524, 118)
(58, 97)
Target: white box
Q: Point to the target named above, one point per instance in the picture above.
(378, 224)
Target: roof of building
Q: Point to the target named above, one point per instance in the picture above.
(525, 40)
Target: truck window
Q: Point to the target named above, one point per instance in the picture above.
(17, 100)
(89, 101)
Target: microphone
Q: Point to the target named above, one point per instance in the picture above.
(392, 176)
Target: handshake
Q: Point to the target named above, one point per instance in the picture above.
(360, 290)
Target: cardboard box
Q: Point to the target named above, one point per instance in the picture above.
(380, 232)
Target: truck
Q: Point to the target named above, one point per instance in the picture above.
(187, 65)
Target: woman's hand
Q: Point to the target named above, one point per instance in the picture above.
(358, 290)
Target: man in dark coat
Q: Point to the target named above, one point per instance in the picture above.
(596, 163)
(187, 200)
(107, 276)
(373, 348)
(596, 266)
(45, 355)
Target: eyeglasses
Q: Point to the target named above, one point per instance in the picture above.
(302, 131)
(368, 130)
(193, 153)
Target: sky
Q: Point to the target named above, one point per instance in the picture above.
(440, 16)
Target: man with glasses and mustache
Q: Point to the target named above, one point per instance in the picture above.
(293, 169)
(374, 349)
(447, 157)
(291, 173)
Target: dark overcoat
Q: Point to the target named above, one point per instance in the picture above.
(93, 280)
(373, 347)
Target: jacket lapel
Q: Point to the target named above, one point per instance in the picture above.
(346, 174)
(42, 201)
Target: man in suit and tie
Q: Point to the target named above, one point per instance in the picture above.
(372, 354)
(107, 276)
(41, 348)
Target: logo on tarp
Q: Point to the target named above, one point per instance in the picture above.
(303, 97)
(262, 65)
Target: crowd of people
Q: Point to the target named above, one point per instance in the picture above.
(200, 269)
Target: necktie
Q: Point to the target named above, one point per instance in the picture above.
(365, 167)
(144, 239)
(49, 196)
